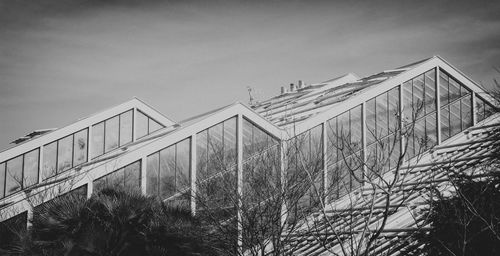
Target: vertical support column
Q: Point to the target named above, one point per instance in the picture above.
(144, 175)
(473, 108)
(283, 161)
(325, 164)
(239, 180)
(192, 174)
(402, 143)
(40, 164)
(363, 141)
(438, 106)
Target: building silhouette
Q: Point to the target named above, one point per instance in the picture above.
(134, 146)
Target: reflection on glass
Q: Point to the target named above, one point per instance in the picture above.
(49, 160)
(126, 127)
(111, 138)
(14, 178)
(128, 178)
(31, 168)
(80, 147)
(152, 174)
(167, 172)
(98, 139)
(142, 125)
(132, 176)
(154, 126)
(64, 154)
(182, 164)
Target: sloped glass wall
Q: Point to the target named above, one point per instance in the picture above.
(456, 106)
(65, 153)
(128, 178)
(112, 133)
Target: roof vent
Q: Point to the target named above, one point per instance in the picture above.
(292, 87)
(283, 90)
(300, 84)
(32, 135)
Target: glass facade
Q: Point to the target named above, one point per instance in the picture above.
(112, 133)
(128, 178)
(168, 170)
(483, 109)
(19, 172)
(216, 165)
(345, 149)
(63, 154)
(456, 106)
(419, 112)
(261, 164)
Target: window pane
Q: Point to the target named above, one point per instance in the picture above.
(182, 164)
(31, 168)
(167, 172)
(65, 154)
(455, 119)
(215, 150)
(112, 129)
(2, 180)
(247, 139)
(229, 142)
(430, 91)
(454, 90)
(152, 174)
(382, 116)
(331, 131)
(126, 127)
(370, 122)
(141, 125)
(14, 177)
(431, 131)
(201, 155)
(116, 179)
(466, 112)
(393, 97)
(154, 126)
(49, 160)
(445, 123)
(80, 147)
(132, 176)
(479, 109)
(443, 88)
(407, 101)
(98, 139)
(418, 96)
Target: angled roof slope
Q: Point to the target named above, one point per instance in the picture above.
(408, 203)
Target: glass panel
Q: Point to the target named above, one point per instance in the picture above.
(49, 160)
(31, 168)
(182, 164)
(247, 139)
(65, 154)
(393, 96)
(132, 176)
(331, 131)
(167, 172)
(141, 125)
(480, 109)
(2, 180)
(418, 96)
(126, 127)
(154, 126)
(201, 155)
(431, 131)
(466, 112)
(215, 150)
(430, 91)
(112, 130)
(382, 115)
(443, 88)
(152, 172)
(14, 175)
(455, 119)
(80, 147)
(116, 179)
(98, 139)
(407, 101)
(445, 123)
(230, 142)
(370, 121)
(454, 90)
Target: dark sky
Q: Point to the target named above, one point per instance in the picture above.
(61, 60)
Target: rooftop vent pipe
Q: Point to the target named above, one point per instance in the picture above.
(283, 90)
(292, 87)
(300, 84)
